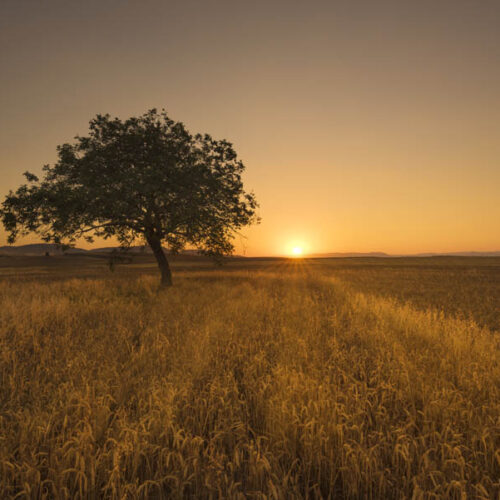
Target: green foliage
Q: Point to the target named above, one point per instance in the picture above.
(145, 178)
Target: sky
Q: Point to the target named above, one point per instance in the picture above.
(364, 125)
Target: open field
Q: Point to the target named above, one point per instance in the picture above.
(346, 378)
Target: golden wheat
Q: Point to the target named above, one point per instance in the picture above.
(242, 385)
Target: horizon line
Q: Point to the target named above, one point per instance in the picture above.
(310, 255)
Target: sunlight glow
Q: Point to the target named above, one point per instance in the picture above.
(297, 251)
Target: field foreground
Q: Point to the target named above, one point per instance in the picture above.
(279, 383)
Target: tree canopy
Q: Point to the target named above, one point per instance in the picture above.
(143, 178)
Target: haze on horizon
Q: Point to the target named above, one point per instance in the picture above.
(364, 126)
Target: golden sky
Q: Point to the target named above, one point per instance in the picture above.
(364, 125)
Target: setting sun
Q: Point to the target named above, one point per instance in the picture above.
(297, 251)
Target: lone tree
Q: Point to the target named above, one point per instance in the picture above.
(142, 178)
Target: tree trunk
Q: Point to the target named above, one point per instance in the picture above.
(161, 258)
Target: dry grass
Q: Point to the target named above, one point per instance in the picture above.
(468, 288)
(257, 384)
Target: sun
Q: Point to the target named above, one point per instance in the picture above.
(297, 251)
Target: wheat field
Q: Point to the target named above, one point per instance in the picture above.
(281, 382)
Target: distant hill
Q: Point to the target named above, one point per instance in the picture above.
(137, 250)
(348, 254)
(460, 254)
(382, 254)
(37, 249)
(43, 248)
(134, 250)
